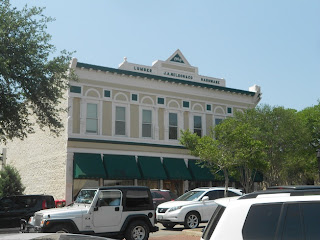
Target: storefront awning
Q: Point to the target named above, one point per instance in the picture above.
(88, 165)
(176, 169)
(198, 172)
(121, 167)
(151, 168)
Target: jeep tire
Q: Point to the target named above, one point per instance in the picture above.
(137, 230)
(192, 220)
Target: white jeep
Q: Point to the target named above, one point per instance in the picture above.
(117, 212)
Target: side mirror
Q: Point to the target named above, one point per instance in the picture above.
(205, 198)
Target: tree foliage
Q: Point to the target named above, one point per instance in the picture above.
(31, 81)
(280, 143)
(10, 182)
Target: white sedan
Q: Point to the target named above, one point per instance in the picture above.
(192, 207)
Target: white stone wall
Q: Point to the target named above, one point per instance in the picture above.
(41, 161)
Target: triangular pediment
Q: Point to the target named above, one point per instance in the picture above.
(177, 57)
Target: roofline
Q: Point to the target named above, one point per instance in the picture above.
(161, 78)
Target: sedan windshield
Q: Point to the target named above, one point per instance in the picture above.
(85, 196)
(190, 196)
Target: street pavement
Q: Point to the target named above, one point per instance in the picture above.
(177, 233)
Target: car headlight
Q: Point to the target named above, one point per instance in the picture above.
(174, 208)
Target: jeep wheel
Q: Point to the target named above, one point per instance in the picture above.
(168, 225)
(61, 228)
(137, 230)
(192, 220)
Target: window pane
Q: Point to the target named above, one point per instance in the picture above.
(91, 110)
(292, 227)
(311, 212)
(261, 222)
(146, 130)
(120, 113)
(198, 132)
(173, 119)
(217, 121)
(120, 128)
(146, 116)
(92, 125)
(197, 122)
(173, 133)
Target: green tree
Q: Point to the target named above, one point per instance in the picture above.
(31, 81)
(10, 182)
(240, 138)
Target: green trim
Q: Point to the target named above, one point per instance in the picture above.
(208, 107)
(160, 100)
(151, 168)
(199, 172)
(134, 97)
(107, 93)
(176, 169)
(155, 77)
(124, 143)
(121, 167)
(75, 89)
(88, 166)
(185, 104)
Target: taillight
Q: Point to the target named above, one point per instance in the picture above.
(44, 204)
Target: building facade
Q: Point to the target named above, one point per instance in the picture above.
(123, 127)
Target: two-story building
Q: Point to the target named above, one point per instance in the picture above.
(123, 127)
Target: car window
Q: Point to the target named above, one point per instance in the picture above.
(85, 196)
(173, 195)
(232, 194)
(292, 229)
(156, 195)
(6, 203)
(310, 213)
(109, 198)
(261, 222)
(137, 199)
(215, 194)
(190, 196)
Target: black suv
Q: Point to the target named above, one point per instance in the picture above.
(15, 208)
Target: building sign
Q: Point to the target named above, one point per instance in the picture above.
(142, 69)
(177, 59)
(178, 75)
(215, 81)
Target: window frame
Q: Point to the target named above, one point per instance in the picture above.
(98, 116)
(127, 119)
(177, 126)
(151, 124)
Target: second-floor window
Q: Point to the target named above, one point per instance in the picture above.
(146, 123)
(197, 125)
(173, 126)
(120, 126)
(92, 118)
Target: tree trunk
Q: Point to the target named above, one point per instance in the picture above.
(226, 182)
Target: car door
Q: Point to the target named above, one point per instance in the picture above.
(6, 207)
(209, 206)
(109, 209)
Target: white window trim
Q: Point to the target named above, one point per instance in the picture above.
(179, 124)
(98, 115)
(153, 119)
(106, 89)
(127, 119)
(203, 122)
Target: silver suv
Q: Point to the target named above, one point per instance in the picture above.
(119, 212)
(283, 213)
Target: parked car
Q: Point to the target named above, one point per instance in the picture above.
(161, 196)
(15, 208)
(118, 211)
(192, 207)
(289, 212)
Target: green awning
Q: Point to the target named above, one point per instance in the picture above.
(88, 165)
(198, 172)
(151, 168)
(121, 167)
(176, 169)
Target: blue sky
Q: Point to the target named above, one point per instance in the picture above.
(274, 44)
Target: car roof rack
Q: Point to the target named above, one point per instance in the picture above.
(294, 190)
